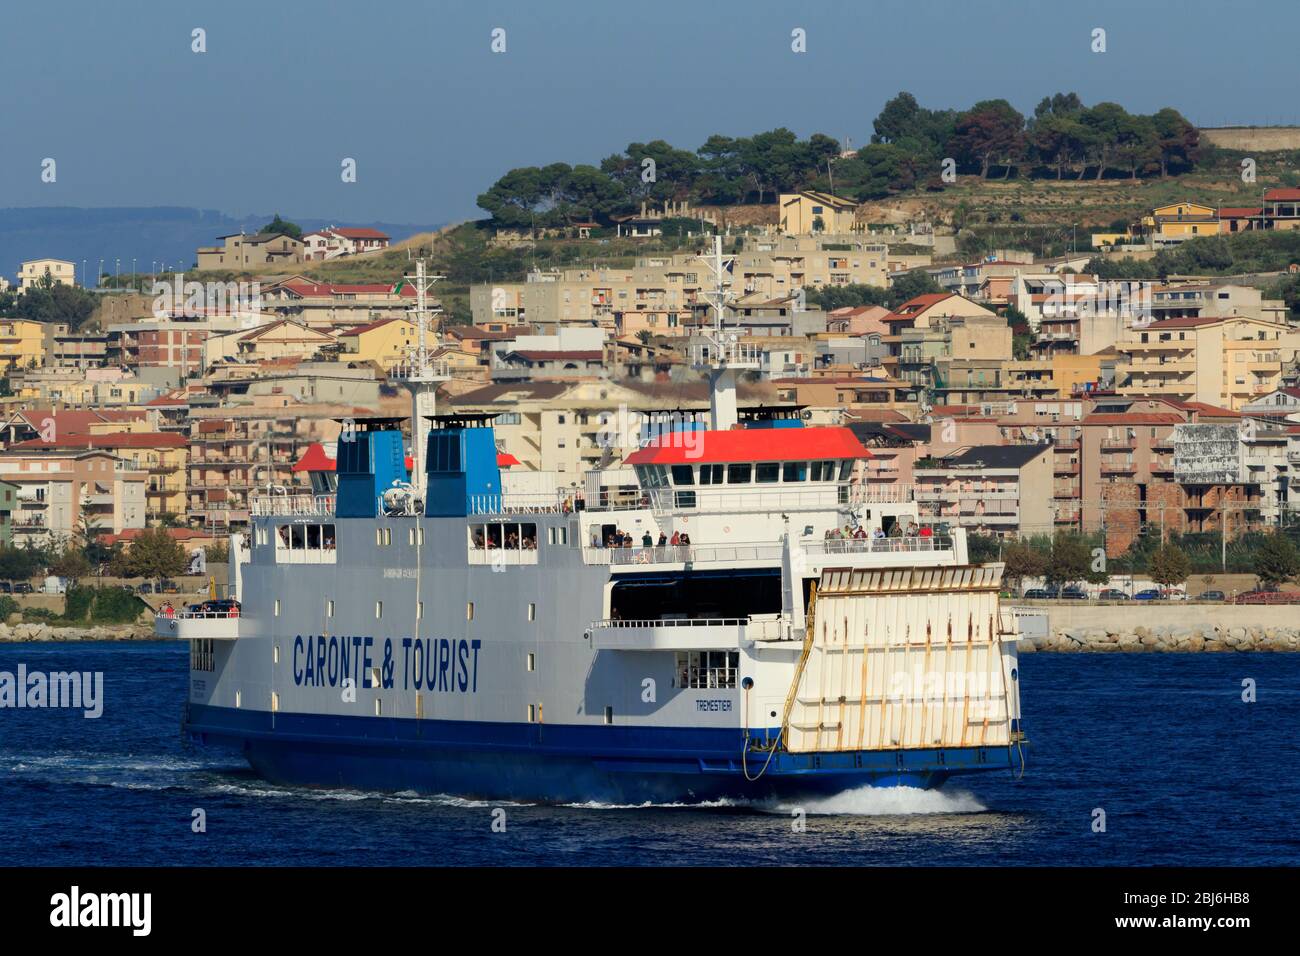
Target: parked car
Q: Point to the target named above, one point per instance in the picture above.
(168, 587)
(1211, 596)
(6, 587)
(22, 587)
(1039, 594)
(1173, 594)
(1148, 594)
(1111, 594)
(1074, 593)
(145, 588)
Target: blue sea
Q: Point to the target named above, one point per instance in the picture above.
(1185, 772)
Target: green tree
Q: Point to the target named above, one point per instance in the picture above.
(1169, 565)
(991, 131)
(71, 563)
(1276, 560)
(1022, 561)
(1069, 560)
(282, 227)
(154, 554)
(909, 285)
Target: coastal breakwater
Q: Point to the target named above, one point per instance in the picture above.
(1176, 627)
(43, 633)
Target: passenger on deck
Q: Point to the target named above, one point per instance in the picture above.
(677, 539)
(647, 541)
(663, 539)
(478, 541)
(595, 538)
(925, 532)
(686, 540)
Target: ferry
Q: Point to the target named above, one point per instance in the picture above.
(729, 614)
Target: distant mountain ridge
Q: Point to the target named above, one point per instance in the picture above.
(149, 234)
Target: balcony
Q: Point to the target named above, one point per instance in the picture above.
(1119, 443)
(1118, 468)
(198, 626)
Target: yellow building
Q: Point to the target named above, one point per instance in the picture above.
(1056, 377)
(808, 212)
(387, 342)
(280, 340)
(1226, 361)
(22, 343)
(1183, 220)
(31, 272)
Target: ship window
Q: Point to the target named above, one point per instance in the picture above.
(532, 611)
(277, 607)
(388, 537)
(419, 535)
(329, 608)
(275, 654)
(796, 471)
(327, 536)
(609, 715)
(712, 670)
(710, 474)
(739, 474)
(767, 472)
(379, 610)
(469, 611)
(683, 475)
(410, 536)
(275, 702)
(846, 469)
(297, 536)
(532, 661)
(239, 699)
(379, 537)
(379, 707)
(532, 713)
(684, 499)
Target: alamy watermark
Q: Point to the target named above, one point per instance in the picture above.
(628, 428)
(196, 300)
(61, 689)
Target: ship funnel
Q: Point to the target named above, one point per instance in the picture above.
(371, 459)
(461, 465)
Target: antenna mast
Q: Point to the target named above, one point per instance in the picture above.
(421, 374)
(722, 355)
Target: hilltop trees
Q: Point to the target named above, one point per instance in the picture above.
(908, 146)
(282, 227)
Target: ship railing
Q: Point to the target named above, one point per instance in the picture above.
(263, 505)
(682, 554)
(618, 622)
(689, 633)
(201, 615)
(881, 494)
(879, 545)
(520, 503)
(703, 500)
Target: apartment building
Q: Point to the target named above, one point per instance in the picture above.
(237, 451)
(994, 489)
(161, 456)
(1198, 300)
(1177, 222)
(60, 271)
(1218, 361)
(387, 342)
(65, 494)
(332, 305)
(241, 251)
(24, 344)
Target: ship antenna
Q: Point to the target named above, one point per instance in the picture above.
(419, 373)
(721, 355)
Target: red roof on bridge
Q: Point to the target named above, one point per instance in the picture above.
(751, 444)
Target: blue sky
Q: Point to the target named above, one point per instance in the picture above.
(412, 92)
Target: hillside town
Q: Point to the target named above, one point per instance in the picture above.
(1017, 396)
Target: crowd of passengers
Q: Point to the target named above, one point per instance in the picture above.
(624, 539)
(513, 541)
(896, 531)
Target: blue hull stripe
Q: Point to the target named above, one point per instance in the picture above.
(556, 762)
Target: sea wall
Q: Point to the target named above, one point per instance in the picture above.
(1166, 627)
(13, 633)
